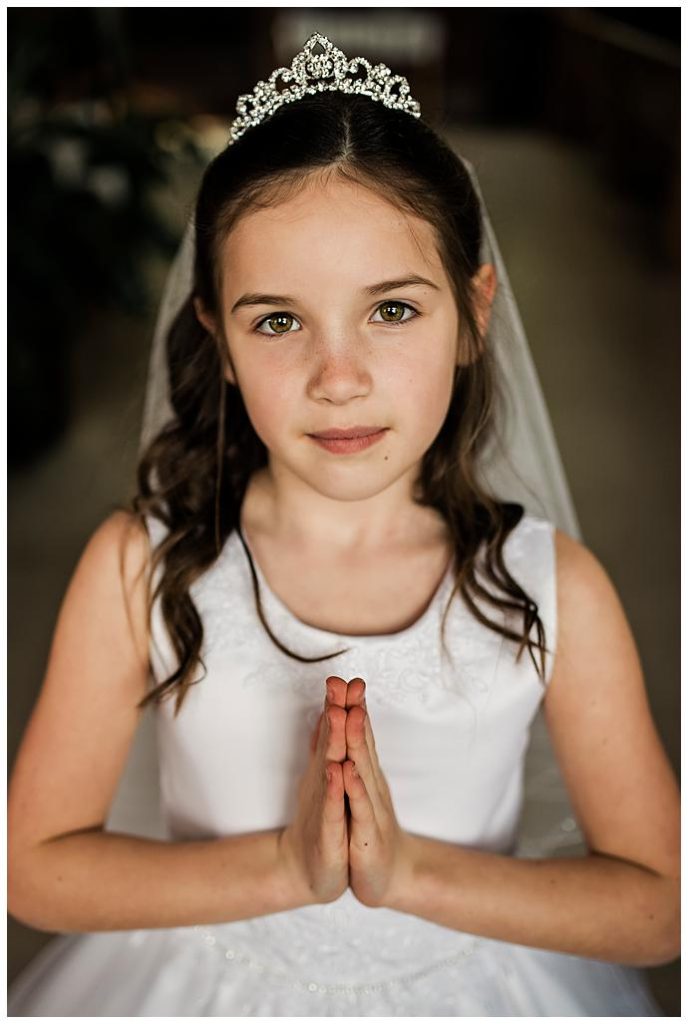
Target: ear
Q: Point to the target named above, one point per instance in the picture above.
(484, 288)
(203, 317)
(207, 321)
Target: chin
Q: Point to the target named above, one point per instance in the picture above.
(346, 483)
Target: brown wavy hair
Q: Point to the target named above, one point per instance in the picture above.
(193, 475)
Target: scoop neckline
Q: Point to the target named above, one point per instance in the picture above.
(365, 638)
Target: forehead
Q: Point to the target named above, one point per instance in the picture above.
(334, 227)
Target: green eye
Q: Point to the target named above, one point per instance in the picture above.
(280, 323)
(393, 312)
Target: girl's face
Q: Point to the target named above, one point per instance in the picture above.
(337, 312)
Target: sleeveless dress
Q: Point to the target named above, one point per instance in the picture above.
(451, 735)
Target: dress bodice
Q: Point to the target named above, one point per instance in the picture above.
(451, 726)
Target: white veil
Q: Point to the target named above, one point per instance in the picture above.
(522, 464)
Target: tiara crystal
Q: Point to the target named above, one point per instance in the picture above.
(311, 73)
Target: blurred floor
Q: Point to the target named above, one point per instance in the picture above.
(602, 319)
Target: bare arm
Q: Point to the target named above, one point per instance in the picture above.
(103, 881)
(65, 872)
(592, 906)
(620, 903)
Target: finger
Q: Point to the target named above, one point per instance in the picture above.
(375, 761)
(355, 693)
(358, 751)
(333, 747)
(356, 698)
(319, 725)
(370, 740)
(315, 735)
(355, 733)
(336, 690)
(364, 826)
(333, 808)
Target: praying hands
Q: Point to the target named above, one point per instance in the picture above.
(330, 846)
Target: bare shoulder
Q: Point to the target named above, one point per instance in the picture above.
(124, 534)
(591, 621)
(121, 536)
(599, 718)
(578, 567)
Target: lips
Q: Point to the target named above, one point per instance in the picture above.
(345, 433)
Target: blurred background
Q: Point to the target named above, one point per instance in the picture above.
(571, 117)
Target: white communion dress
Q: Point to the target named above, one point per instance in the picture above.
(451, 737)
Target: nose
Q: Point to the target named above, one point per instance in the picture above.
(340, 369)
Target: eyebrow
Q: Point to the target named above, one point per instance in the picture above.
(260, 299)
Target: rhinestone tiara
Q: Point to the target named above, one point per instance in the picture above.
(311, 73)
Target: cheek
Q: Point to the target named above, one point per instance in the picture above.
(433, 396)
(424, 384)
(268, 400)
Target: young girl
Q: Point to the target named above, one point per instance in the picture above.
(349, 636)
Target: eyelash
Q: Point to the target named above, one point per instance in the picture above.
(388, 323)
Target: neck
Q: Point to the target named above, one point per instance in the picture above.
(289, 510)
